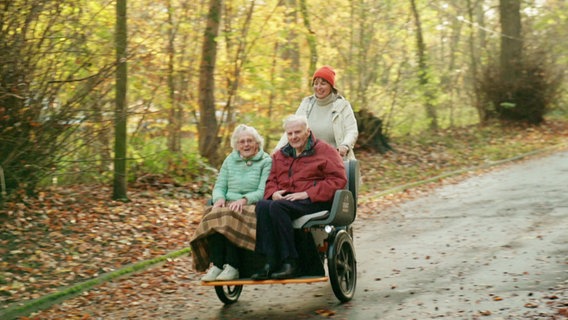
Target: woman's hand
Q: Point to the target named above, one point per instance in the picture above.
(238, 205)
(343, 150)
(219, 203)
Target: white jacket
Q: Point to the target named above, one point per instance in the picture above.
(344, 123)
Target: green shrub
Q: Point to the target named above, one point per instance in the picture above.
(526, 98)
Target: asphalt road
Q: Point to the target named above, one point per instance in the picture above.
(491, 247)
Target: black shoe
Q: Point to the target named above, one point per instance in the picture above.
(263, 274)
(288, 270)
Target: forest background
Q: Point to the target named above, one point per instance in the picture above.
(98, 90)
(145, 94)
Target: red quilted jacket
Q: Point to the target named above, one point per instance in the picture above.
(318, 170)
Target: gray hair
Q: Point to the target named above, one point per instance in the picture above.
(242, 128)
(296, 118)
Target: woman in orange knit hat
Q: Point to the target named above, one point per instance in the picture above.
(330, 115)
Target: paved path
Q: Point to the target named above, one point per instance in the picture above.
(491, 247)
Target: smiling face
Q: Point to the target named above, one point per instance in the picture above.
(297, 133)
(322, 88)
(247, 145)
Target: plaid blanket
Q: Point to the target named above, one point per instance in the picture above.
(239, 228)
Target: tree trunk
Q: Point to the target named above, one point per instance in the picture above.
(119, 186)
(101, 146)
(511, 41)
(371, 135)
(474, 67)
(423, 72)
(291, 51)
(208, 140)
(311, 38)
(450, 39)
(233, 80)
(175, 113)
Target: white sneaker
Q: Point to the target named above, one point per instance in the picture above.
(212, 274)
(229, 273)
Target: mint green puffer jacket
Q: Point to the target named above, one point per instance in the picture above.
(239, 178)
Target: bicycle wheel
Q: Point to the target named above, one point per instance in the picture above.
(228, 294)
(342, 267)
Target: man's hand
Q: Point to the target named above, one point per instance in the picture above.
(343, 150)
(278, 195)
(296, 196)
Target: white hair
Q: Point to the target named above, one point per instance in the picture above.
(296, 118)
(242, 128)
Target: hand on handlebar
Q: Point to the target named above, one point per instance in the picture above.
(343, 150)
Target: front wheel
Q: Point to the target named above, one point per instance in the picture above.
(228, 294)
(342, 267)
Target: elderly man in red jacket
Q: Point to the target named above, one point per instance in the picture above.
(303, 179)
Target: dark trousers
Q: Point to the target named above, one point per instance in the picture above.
(274, 232)
(222, 251)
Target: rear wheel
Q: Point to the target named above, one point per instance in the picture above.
(342, 267)
(228, 294)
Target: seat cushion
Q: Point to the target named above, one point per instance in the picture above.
(301, 221)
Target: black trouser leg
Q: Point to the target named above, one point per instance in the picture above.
(282, 212)
(216, 248)
(274, 232)
(265, 243)
(232, 254)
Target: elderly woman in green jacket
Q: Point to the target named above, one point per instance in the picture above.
(231, 222)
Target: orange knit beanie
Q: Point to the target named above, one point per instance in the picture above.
(326, 73)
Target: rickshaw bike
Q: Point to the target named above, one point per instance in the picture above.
(329, 237)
